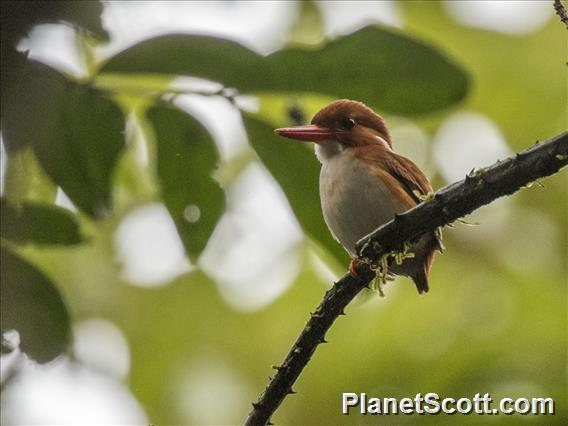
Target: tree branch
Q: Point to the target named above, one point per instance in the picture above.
(561, 11)
(480, 187)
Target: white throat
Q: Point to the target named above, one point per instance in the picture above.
(328, 149)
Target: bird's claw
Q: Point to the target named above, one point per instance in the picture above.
(353, 268)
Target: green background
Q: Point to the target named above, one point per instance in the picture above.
(495, 320)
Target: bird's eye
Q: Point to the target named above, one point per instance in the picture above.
(347, 123)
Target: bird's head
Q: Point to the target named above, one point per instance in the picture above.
(345, 123)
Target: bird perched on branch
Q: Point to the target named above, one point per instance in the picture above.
(364, 183)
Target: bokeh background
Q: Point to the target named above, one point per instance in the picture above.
(163, 289)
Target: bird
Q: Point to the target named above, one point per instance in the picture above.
(363, 183)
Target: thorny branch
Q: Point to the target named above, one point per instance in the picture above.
(561, 11)
(480, 187)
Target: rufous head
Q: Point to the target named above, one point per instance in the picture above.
(351, 123)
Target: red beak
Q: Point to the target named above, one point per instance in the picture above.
(310, 133)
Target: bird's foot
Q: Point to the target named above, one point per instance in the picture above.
(382, 274)
(377, 281)
(377, 284)
(353, 268)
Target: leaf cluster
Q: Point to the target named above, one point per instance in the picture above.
(75, 136)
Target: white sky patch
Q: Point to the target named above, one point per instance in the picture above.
(62, 200)
(252, 253)
(55, 45)
(344, 17)
(467, 140)
(149, 247)
(222, 120)
(100, 345)
(261, 26)
(9, 360)
(509, 17)
(195, 84)
(248, 103)
(67, 393)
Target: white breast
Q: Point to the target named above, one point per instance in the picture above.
(354, 202)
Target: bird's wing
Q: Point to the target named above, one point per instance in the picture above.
(413, 180)
(401, 169)
(409, 175)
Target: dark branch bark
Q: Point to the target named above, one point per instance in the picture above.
(561, 11)
(480, 187)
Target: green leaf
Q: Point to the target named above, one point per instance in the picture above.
(38, 224)
(26, 180)
(18, 17)
(296, 168)
(187, 156)
(309, 27)
(32, 305)
(75, 132)
(374, 65)
(214, 58)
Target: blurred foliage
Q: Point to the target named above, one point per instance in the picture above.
(309, 27)
(26, 180)
(187, 157)
(32, 305)
(75, 132)
(407, 76)
(489, 324)
(283, 160)
(19, 17)
(38, 224)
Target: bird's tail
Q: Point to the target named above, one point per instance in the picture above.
(420, 277)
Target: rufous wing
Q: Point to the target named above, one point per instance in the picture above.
(407, 180)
